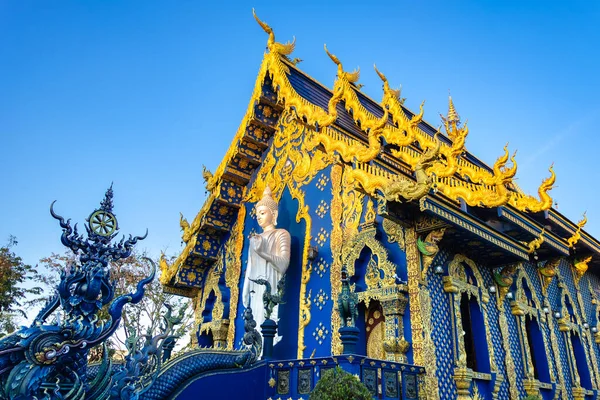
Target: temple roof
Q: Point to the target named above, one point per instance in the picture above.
(388, 141)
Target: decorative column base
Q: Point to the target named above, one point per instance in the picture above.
(579, 393)
(463, 378)
(532, 387)
(349, 336)
(268, 330)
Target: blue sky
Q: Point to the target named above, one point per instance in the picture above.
(142, 93)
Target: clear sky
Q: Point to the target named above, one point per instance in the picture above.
(142, 93)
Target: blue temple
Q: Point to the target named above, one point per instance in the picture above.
(413, 265)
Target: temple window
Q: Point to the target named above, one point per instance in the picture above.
(469, 304)
(530, 326)
(526, 308)
(569, 322)
(580, 361)
(382, 300)
(467, 327)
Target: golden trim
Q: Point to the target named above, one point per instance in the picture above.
(336, 243)
(464, 221)
(492, 190)
(233, 270)
(420, 316)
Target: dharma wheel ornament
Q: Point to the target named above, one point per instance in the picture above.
(102, 221)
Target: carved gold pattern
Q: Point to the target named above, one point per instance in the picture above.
(395, 232)
(569, 324)
(346, 209)
(233, 270)
(476, 394)
(588, 341)
(556, 357)
(580, 266)
(503, 278)
(547, 272)
(380, 273)
(420, 316)
(289, 165)
(463, 377)
(185, 228)
(375, 342)
(509, 363)
(429, 248)
(528, 203)
(336, 243)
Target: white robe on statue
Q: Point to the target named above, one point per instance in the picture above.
(268, 258)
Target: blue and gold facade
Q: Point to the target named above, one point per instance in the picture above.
(484, 291)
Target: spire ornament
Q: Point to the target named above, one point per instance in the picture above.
(452, 121)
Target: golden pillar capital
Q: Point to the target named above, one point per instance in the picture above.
(463, 378)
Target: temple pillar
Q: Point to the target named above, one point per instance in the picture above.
(395, 345)
(219, 330)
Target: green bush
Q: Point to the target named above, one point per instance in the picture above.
(337, 384)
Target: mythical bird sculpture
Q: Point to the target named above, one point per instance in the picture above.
(504, 278)
(429, 248)
(347, 302)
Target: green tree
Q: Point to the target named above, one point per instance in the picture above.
(337, 384)
(144, 318)
(17, 284)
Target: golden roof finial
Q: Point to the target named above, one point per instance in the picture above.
(386, 86)
(452, 120)
(351, 77)
(273, 46)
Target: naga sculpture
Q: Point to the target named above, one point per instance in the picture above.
(409, 190)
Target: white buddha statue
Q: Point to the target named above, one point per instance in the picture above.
(268, 258)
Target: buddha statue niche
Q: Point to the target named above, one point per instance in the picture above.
(268, 258)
